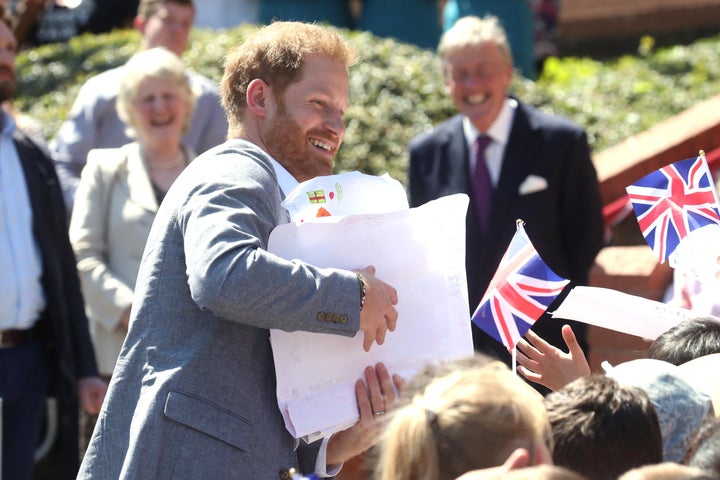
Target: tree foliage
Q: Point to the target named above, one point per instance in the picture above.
(397, 90)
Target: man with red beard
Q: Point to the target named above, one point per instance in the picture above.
(45, 346)
(515, 162)
(193, 394)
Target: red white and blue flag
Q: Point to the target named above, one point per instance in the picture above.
(673, 201)
(522, 288)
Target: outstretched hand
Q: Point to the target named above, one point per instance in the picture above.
(378, 314)
(547, 365)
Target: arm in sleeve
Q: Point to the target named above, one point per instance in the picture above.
(105, 293)
(582, 220)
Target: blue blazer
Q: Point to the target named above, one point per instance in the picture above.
(564, 221)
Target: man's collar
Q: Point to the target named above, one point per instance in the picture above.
(500, 129)
(286, 181)
(7, 124)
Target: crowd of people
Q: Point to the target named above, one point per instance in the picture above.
(140, 291)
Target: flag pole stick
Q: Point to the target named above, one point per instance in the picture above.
(514, 360)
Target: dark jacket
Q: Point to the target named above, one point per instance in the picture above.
(563, 221)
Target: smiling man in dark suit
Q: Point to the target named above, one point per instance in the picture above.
(514, 162)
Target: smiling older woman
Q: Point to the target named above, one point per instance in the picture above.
(120, 191)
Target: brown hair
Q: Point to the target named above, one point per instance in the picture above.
(602, 428)
(275, 54)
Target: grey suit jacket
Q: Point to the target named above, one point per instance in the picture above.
(193, 392)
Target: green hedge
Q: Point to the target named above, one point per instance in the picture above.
(397, 91)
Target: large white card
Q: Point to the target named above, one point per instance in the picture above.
(621, 312)
(421, 252)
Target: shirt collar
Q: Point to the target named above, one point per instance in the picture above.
(499, 131)
(286, 181)
(7, 124)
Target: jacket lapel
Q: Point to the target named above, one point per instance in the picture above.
(521, 150)
(140, 188)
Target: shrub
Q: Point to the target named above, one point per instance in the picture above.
(397, 91)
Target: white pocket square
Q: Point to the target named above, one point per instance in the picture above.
(532, 184)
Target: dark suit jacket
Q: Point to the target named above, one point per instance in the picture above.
(564, 221)
(64, 322)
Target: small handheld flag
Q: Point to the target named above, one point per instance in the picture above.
(522, 288)
(671, 202)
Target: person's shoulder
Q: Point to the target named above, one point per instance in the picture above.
(109, 75)
(227, 155)
(108, 160)
(202, 84)
(24, 140)
(438, 134)
(233, 164)
(547, 120)
(103, 84)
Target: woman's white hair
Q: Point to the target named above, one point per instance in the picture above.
(154, 63)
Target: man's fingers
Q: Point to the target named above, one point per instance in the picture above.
(380, 335)
(391, 319)
(370, 269)
(368, 340)
(386, 384)
(363, 402)
(377, 400)
(399, 382)
(392, 294)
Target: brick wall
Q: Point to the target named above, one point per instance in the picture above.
(586, 20)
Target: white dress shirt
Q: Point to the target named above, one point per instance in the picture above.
(287, 184)
(22, 300)
(499, 132)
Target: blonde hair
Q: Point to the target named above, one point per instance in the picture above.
(275, 54)
(155, 63)
(473, 31)
(464, 420)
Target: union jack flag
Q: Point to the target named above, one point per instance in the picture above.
(673, 201)
(522, 288)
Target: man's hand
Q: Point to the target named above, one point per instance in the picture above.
(91, 391)
(124, 322)
(373, 402)
(378, 315)
(542, 363)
